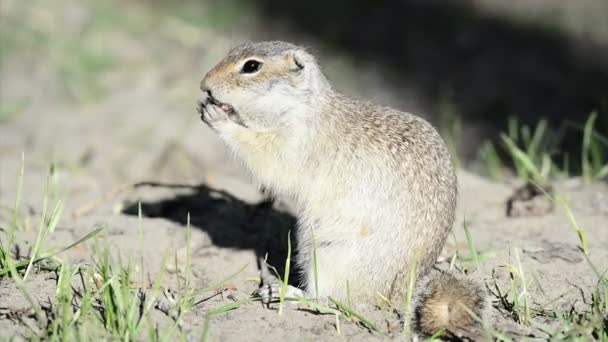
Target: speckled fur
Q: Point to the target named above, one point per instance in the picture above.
(376, 185)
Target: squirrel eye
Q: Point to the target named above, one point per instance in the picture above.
(251, 66)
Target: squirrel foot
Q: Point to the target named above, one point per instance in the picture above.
(270, 292)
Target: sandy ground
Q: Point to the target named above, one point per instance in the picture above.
(147, 130)
(233, 224)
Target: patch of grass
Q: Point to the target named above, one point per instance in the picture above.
(526, 165)
(594, 166)
(120, 304)
(521, 297)
(46, 227)
(529, 148)
(587, 324)
(48, 325)
(518, 302)
(177, 305)
(535, 155)
(49, 255)
(64, 296)
(106, 305)
(579, 324)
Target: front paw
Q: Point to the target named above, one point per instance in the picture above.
(211, 114)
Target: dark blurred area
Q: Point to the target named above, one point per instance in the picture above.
(467, 65)
(488, 66)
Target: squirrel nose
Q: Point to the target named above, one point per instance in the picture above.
(206, 91)
(205, 88)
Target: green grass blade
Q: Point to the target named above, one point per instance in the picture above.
(602, 173)
(188, 252)
(586, 163)
(357, 315)
(140, 231)
(559, 201)
(409, 310)
(513, 129)
(155, 291)
(524, 165)
(286, 277)
(470, 243)
(537, 138)
(41, 231)
(524, 285)
(17, 207)
(55, 216)
(323, 309)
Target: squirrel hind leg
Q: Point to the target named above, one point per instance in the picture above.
(451, 304)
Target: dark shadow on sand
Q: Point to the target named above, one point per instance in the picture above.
(229, 222)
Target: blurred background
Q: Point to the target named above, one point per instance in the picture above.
(103, 84)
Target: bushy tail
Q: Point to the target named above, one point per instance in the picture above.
(448, 303)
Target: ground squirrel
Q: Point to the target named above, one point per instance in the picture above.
(375, 187)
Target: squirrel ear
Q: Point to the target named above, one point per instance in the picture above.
(297, 60)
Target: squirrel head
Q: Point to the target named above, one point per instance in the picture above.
(267, 84)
